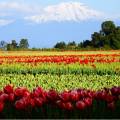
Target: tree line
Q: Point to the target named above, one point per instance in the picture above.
(13, 45)
(107, 38)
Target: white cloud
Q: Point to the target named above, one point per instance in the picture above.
(15, 10)
(4, 22)
(66, 11)
(35, 13)
(18, 7)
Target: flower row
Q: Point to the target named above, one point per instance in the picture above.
(82, 59)
(79, 99)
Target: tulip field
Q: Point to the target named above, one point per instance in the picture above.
(67, 84)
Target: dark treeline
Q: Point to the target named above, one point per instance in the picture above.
(106, 39)
(13, 45)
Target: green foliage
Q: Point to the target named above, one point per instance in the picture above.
(9, 47)
(60, 45)
(3, 44)
(60, 77)
(107, 38)
(53, 69)
(14, 44)
(62, 82)
(24, 44)
(108, 27)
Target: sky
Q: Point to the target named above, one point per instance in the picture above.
(46, 22)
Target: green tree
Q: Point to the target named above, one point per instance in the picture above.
(9, 46)
(71, 45)
(115, 39)
(14, 44)
(86, 43)
(3, 44)
(108, 27)
(107, 38)
(60, 45)
(23, 44)
(97, 40)
(80, 45)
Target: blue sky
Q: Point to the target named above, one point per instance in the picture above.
(45, 22)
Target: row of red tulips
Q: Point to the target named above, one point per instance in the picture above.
(82, 59)
(80, 99)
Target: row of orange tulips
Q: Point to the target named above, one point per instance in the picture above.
(82, 59)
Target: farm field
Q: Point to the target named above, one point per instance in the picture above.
(51, 69)
(58, 75)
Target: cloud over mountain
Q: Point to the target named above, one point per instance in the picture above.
(66, 11)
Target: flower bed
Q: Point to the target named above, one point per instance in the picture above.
(79, 103)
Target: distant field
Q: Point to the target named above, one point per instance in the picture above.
(39, 53)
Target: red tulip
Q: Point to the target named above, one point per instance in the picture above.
(115, 91)
(11, 97)
(91, 94)
(74, 95)
(19, 105)
(26, 100)
(109, 98)
(32, 95)
(26, 94)
(8, 89)
(81, 93)
(20, 91)
(38, 92)
(101, 95)
(52, 95)
(88, 101)
(1, 106)
(32, 102)
(44, 96)
(80, 105)
(85, 93)
(3, 97)
(38, 101)
(68, 106)
(61, 104)
(111, 105)
(65, 96)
